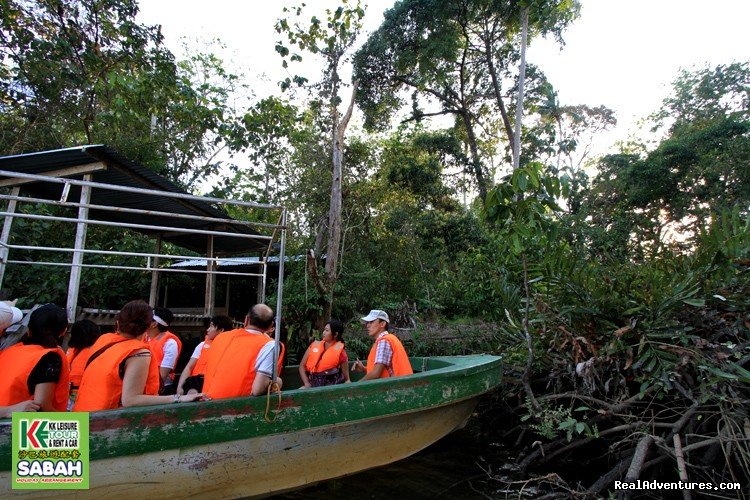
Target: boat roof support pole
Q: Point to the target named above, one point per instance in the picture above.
(226, 297)
(80, 243)
(280, 288)
(261, 295)
(5, 236)
(154, 293)
(208, 307)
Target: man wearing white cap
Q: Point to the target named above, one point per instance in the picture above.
(387, 357)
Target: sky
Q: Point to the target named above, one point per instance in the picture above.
(620, 53)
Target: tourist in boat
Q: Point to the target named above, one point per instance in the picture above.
(122, 370)
(240, 362)
(166, 347)
(9, 316)
(83, 334)
(325, 362)
(36, 368)
(387, 357)
(192, 377)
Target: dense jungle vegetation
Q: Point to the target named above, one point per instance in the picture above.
(617, 288)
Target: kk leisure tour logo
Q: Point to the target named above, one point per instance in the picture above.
(50, 451)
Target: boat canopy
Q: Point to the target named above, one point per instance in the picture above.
(102, 187)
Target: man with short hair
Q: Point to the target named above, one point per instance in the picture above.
(165, 347)
(387, 357)
(240, 362)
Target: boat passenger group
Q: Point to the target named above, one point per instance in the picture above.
(134, 366)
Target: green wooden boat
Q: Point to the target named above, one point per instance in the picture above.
(227, 449)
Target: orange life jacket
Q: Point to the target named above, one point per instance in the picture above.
(230, 367)
(101, 386)
(156, 346)
(200, 366)
(77, 359)
(321, 359)
(399, 362)
(18, 361)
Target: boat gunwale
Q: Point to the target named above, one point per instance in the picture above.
(210, 422)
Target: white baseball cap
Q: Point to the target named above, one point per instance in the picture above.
(377, 314)
(9, 315)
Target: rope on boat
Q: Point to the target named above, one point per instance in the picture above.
(272, 387)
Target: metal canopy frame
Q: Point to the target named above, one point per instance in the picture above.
(113, 191)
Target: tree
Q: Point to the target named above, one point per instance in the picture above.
(520, 207)
(698, 170)
(77, 72)
(86, 72)
(707, 94)
(332, 43)
(266, 138)
(455, 54)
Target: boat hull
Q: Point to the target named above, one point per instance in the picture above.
(316, 435)
(271, 464)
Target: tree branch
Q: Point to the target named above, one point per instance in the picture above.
(639, 457)
(312, 266)
(423, 115)
(347, 116)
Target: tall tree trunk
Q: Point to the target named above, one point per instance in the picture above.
(499, 98)
(334, 211)
(521, 83)
(476, 162)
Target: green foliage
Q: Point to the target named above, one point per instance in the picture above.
(455, 58)
(479, 283)
(614, 308)
(266, 137)
(549, 421)
(699, 169)
(87, 72)
(101, 289)
(330, 40)
(707, 94)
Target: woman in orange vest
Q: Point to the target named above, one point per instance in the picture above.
(121, 371)
(83, 335)
(36, 368)
(191, 379)
(325, 362)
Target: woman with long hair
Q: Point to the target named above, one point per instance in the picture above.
(325, 362)
(121, 370)
(36, 369)
(83, 335)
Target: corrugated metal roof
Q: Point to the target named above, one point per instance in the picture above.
(228, 262)
(123, 172)
(235, 261)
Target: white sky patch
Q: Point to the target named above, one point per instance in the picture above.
(623, 54)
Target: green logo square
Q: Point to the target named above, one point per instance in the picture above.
(50, 451)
